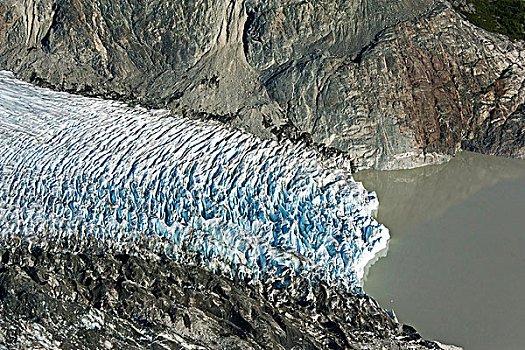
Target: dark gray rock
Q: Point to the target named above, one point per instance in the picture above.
(85, 301)
(392, 83)
(501, 136)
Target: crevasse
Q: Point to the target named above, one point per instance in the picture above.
(84, 173)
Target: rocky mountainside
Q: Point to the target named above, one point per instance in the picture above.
(85, 301)
(392, 83)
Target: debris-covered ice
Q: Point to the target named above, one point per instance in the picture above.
(84, 172)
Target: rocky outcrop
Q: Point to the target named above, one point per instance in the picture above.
(392, 83)
(86, 301)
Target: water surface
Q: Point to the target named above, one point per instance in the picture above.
(455, 267)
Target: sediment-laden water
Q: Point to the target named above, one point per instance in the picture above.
(455, 267)
(89, 174)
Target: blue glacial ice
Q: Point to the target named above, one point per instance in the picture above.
(84, 172)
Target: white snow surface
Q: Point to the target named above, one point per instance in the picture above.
(84, 172)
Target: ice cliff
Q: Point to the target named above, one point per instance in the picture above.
(92, 175)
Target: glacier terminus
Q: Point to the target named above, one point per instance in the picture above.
(86, 174)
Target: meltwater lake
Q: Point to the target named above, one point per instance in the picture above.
(455, 268)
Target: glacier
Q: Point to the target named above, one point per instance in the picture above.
(87, 174)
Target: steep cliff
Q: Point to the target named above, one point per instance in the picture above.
(392, 83)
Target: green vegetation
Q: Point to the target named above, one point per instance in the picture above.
(500, 16)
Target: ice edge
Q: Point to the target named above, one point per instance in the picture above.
(84, 172)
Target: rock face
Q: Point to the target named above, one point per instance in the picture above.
(85, 301)
(392, 83)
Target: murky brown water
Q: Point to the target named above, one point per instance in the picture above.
(456, 264)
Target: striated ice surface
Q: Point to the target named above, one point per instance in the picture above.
(86, 173)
